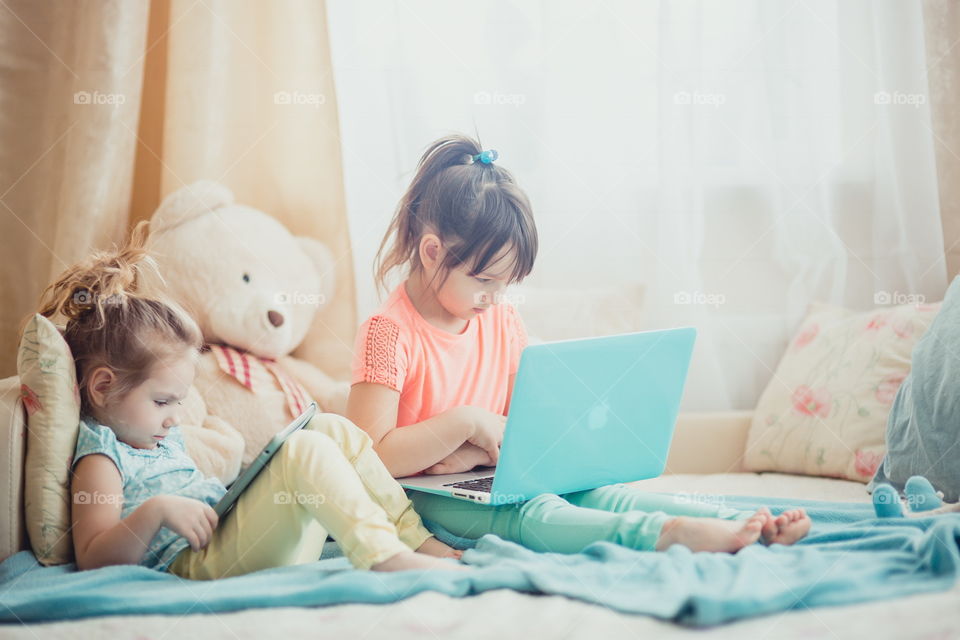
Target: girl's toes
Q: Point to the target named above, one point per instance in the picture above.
(751, 531)
(769, 530)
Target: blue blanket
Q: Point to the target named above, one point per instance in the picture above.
(849, 557)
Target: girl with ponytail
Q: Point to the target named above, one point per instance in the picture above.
(434, 368)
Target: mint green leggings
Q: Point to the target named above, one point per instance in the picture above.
(568, 523)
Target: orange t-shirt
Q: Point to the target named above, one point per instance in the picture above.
(435, 370)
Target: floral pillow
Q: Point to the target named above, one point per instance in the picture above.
(824, 412)
(48, 386)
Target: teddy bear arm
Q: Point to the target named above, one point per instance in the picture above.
(216, 447)
(331, 395)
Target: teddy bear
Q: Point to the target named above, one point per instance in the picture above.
(922, 500)
(254, 289)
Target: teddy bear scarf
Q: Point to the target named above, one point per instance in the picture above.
(257, 373)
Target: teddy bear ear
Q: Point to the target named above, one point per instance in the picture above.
(189, 202)
(325, 263)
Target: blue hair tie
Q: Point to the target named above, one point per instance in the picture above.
(486, 157)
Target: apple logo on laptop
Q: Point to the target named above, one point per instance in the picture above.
(599, 416)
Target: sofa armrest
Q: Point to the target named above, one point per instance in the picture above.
(13, 440)
(709, 442)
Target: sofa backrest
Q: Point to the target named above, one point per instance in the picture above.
(13, 441)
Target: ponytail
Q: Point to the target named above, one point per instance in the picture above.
(475, 207)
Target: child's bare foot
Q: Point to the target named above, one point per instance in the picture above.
(409, 560)
(711, 534)
(786, 528)
(437, 549)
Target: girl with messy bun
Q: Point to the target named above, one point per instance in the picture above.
(115, 331)
(138, 497)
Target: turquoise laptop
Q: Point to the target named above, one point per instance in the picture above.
(584, 413)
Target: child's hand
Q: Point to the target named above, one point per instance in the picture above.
(463, 459)
(487, 430)
(191, 518)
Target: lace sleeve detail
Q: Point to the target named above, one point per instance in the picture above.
(379, 359)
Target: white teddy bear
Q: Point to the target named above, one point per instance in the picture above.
(254, 289)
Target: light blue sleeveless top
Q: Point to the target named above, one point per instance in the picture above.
(167, 469)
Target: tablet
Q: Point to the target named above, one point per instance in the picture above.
(241, 483)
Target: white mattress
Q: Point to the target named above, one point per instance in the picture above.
(505, 614)
(776, 485)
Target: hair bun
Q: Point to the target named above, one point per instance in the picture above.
(103, 279)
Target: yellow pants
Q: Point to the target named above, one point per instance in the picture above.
(325, 478)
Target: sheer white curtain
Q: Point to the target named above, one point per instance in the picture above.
(736, 160)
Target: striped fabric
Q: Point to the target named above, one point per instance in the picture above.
(257, 373)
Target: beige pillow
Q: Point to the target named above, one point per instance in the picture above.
(50, 394)
(824, 412)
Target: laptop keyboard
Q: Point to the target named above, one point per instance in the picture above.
(478, 484)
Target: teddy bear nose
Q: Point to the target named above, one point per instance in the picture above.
(275, 318)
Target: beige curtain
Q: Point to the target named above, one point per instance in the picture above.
(108, 105)
(941, 21)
